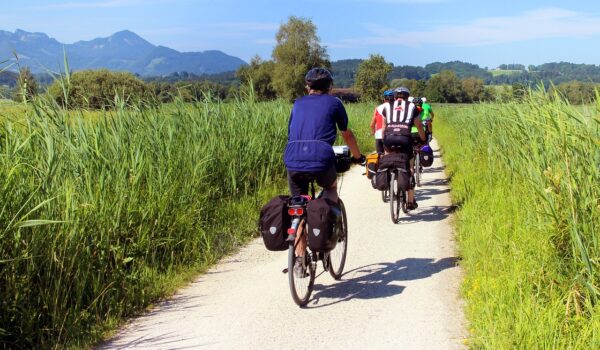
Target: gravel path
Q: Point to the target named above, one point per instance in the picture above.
(400, 288)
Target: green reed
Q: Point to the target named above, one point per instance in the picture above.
(526, 176)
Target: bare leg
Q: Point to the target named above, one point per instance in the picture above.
(301, 239)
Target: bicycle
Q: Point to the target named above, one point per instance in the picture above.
(301, 286)
(418, 169)
(396, 194)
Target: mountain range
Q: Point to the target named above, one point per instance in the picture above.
(122, 51)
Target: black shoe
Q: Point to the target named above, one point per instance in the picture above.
(412, 206)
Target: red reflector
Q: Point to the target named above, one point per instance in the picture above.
(291, 231)
(299, 211)
(291, 211)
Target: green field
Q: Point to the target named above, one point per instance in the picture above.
(525, 177)
(106, 213)
(497, 72)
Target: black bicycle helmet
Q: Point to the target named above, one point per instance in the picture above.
(318, 79)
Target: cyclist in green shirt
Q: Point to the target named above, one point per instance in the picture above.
(427, 119)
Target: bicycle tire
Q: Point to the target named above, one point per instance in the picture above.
(337, 257)
(417, 169)
(395, 198)
(300, 287)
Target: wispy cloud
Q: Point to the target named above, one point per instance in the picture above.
(546, 23)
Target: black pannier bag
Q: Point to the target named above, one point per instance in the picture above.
(274, 222)
(394, 160)
(323, 219)
(397, 161)
(381, 180)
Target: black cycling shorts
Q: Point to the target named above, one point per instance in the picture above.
(399, 144)
(298, 181)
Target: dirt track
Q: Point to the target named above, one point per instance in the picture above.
(399, 290)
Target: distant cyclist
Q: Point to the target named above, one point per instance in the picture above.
(312, 131)
(379, 114)
(396, 132)
(427, 119)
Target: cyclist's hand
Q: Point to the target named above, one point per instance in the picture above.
(360, 160)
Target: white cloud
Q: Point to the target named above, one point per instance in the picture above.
(546, 23)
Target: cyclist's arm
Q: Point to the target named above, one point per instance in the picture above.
(419, 125)
(373, 122)
(350, 140)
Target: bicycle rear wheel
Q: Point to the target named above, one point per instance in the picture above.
(301, 286)
(395, 198)
(337, 257)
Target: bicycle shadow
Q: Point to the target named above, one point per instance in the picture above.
(428, 214)
(422, 194)
(378, 282)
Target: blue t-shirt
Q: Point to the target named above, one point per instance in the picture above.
(312, 131)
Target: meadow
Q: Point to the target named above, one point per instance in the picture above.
(105, 213)
(525, 176)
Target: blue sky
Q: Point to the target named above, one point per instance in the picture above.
(413, 32)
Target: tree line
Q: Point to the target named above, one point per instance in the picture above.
(298, 49)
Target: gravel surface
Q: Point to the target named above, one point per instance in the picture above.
(400, 288)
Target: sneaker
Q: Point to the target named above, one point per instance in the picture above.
(412, 206)
(299, 270)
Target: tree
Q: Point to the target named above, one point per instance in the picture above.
(444, 87)
(473, 90)
(258, 75)
(26, 86)
(98, 89)
(298, 49)
(371, 78)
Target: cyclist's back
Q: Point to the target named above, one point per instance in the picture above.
(312, 131)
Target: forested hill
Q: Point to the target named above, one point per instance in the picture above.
(557, 73)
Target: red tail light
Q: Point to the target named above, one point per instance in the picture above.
(291, 231)
(295, 211)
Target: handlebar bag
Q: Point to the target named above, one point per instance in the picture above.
(274, 222)
(324, 219)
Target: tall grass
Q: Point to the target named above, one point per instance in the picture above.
(526, 176)
(103, 213)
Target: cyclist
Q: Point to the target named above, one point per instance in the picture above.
(312, 130)
(427, 119)
(396, 132)
(377, 121)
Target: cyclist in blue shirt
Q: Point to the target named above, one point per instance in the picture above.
(312, 131)
(309, 155)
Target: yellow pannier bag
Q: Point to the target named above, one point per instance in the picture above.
(372, 165)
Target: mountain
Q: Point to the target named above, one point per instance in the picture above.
(122, 51)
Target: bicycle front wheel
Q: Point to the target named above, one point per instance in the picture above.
(395, 198)
(337, 257)
(301, 279)
(417, 169)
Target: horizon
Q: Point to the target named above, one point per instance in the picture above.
(529, 33)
